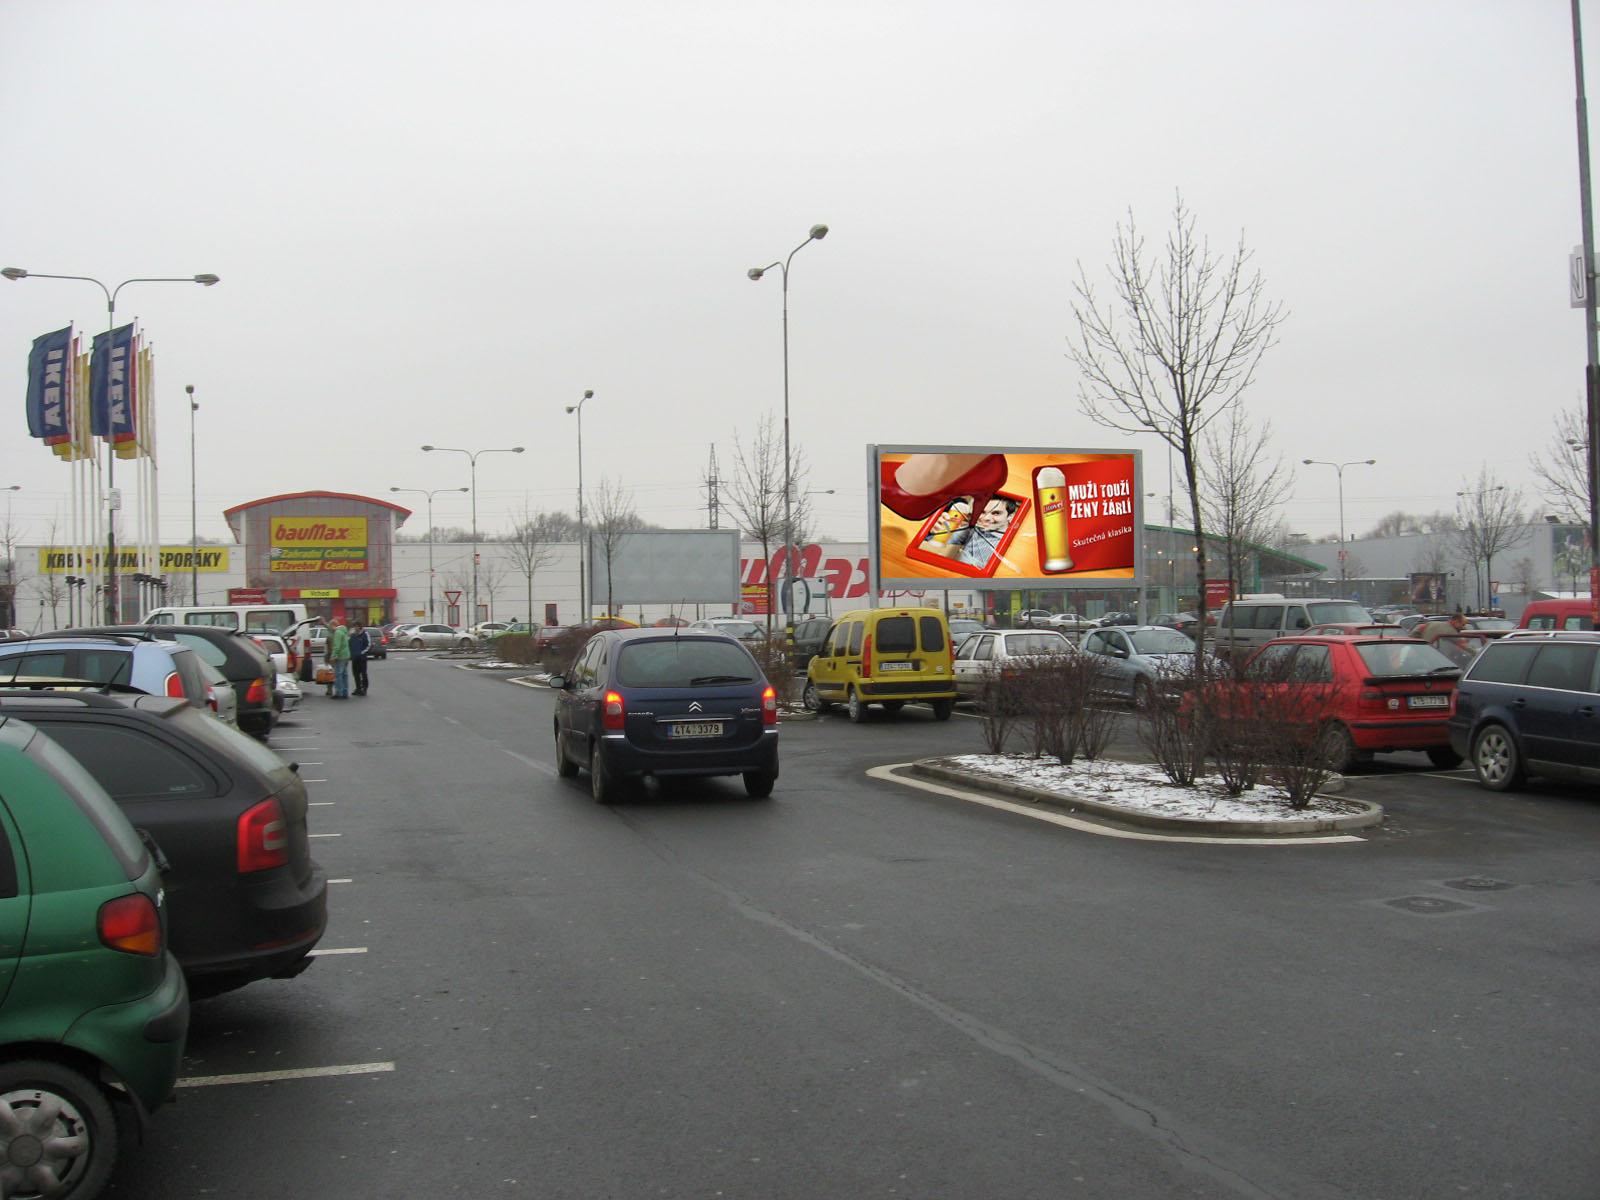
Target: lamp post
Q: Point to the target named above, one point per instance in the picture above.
(818, 232)
(9, 617)
(583, 549)
(472, 458)
(194, 505)
(430, 495)
(1339, 469)
(15, 273)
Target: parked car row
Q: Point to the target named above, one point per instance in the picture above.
(149, 855)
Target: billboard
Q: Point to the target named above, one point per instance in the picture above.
(975, 516)
(65, 560)
(680, 566)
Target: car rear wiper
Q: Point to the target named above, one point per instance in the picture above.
(705, 679)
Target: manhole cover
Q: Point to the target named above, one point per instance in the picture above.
(1428, 906)
(1478, 883)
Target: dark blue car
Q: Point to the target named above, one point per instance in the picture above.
(1530, 705)
(655, 703)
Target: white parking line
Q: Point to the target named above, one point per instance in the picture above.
(1056, 818)
(371, 1068)
(324, 835)
(320, 952)
(341, 881)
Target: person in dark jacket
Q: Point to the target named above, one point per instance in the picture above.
(360, 643)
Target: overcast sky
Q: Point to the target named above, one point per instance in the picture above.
(442, 223)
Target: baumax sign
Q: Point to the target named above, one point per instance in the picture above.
(314, 545)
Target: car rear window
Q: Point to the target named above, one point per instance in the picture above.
(1037, 643)
(932, 634)
(896, 635)
(1328, 612)
(1506, 662)
(684, 662)
(1398, 659)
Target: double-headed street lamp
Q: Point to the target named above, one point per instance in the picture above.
(818, 232)
(1339, 469)
(472, 458)
(583, 550)
(15, 273)
(430, 495)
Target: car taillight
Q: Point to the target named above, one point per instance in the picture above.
(769, 706)
(131, 923)
(257, 693)
(263, 837)
(175, 687)
(613, 713)
(866, 655)
(294, 661)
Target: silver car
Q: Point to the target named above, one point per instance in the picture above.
(981, 654)
(1139, 662)
(436, 637)
(221, 698)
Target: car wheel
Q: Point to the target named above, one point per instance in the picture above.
(758, 784)
(854, 706)
(813, 700)
(58, 1121)
(942, 709)
(1338, 749)
(465, 644)
(565, 767)
(1141, 693)
(1444, 757)
(1496, 759)
(601, 785)
(416, 643)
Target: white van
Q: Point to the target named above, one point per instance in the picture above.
(252, 618)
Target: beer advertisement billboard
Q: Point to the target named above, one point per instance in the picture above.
(1005, 518)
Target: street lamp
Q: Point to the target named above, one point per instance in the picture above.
(818, 232)
(15, 273)
(583, 550)
(194, 505)
(10, 615)
(1339, 469)
(472, 458)
(430, 496)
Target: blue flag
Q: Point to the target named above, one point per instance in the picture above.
(47, 385)
(111, 385)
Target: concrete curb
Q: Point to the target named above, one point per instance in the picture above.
(943, 772)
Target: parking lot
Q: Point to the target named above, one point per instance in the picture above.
(857, 988)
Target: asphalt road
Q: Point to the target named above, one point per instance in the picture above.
(859, 988)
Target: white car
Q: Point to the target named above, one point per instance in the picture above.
(484, 628)
(734, 627)
(221, 699)
(286, 693)
(277, 649)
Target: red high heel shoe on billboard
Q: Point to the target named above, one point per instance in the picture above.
(980, 482)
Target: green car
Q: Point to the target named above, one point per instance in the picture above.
(93, 1008)
(522, 627)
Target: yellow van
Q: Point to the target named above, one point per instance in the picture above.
(884, 656)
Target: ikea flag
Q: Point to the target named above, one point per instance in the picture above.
(48, 389)
(111, 385)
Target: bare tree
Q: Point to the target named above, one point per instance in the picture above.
(1174, 348)
(1490, 518)
(1526, 576)
(1242, 487)
(614, 518)
(754, 494)
(532, 544)
(1563, 469)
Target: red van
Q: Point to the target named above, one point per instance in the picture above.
(1558, 614)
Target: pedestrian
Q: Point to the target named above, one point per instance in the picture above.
(360, 644)
(338, 657)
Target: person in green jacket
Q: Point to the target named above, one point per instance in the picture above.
(338, 656)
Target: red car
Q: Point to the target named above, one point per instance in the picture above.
(1360, 695)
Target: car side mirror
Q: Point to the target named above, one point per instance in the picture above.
(559, 682)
